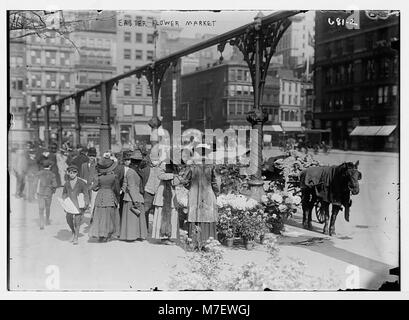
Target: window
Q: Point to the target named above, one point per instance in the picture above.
(127, 109)
(138, 37)
(36, 80)
(184, 111)
(282, 98)
(138, 90)
(148, 110)
(17, 84)
(289, 99)
(232, 90)
(64, 81)
(99, 43)
(148, 91)
(247, 76)
(138, 54)
(51, 79)
(35, 102)
(232, 75)
(107, 43)
(138, 110)
(239, 109)
(239, 75)
(149, 38)
(127, 68)
(50, 57)
(50, 98)
(127, 54)
(295, 100)
(64, 58)
(83, 76)
(149, 55)
(239, 90)
(35, 57)
(127, 36)
(127, 89)
(232, 107)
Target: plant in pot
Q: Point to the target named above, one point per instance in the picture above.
(226, 226)
(249, 228)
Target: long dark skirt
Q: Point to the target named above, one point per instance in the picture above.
(132, 226)
(203, 233)
(105, 222)
(157, 223)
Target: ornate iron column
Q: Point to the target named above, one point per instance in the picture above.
(154, 75)
(60, 105)
(77, 100)
(105, 128)
(47, 126)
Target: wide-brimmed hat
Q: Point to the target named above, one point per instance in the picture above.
(106, 165)
(92, 152)
(72, 168)
(126, 155)
(136, 155)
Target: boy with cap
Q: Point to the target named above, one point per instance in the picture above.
(73, 188)
(46, 185)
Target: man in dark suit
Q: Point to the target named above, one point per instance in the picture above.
(88, 169)
(80, 158)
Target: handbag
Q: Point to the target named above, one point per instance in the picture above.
(135, 211)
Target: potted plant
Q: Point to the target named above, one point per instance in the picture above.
(226, 226)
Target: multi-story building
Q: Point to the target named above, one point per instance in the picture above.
(49, 76)
(356, 80)
(295, 46)
(136, 44)
(94, 61)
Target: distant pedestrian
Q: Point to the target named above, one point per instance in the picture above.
(19, 166)
(133, 224)
(80, 159)
(73, 189)
(46, 185)
(53, 158)
(105, 220)
(32, 170)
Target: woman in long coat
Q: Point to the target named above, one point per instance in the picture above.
(165, 219)
(133, 224)
(201, 182)
(105, 216)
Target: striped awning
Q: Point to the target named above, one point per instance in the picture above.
(372, 131)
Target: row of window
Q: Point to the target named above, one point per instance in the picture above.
(290, 115)
(137, 110)
(150, 38)
(50, 58)
(16, 62)
(49, 80)
(238, 107)
(90, 77)
(138, 54)
(95, 43)
(137, 90)
(340, 74)
(289, 86)
(37, 101)
(238, 90)
(239, 75)
(289, 99)
(17, 84)
(52, 40)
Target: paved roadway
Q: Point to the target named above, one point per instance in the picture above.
(368, 245)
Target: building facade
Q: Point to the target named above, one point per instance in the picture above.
(136, 39)
(94, 61)
(50, 75)
(356, 81)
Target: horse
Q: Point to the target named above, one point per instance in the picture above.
(329, 185)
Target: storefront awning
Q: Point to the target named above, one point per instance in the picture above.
(386, 131)
(272, 128)
(293, 129)
(372, 131)
(142, 129)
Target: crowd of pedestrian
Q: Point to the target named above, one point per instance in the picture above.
(122, 192)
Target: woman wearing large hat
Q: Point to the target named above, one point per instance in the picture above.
(105, 217)
(133, 224)
(200, 179)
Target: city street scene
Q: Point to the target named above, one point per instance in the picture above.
(199, 150)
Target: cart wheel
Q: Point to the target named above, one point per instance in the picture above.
(319, 213)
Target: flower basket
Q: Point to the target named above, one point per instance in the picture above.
(248, 244)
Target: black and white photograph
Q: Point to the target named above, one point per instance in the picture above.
(220, 150)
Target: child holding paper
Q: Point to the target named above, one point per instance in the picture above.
(77, 191)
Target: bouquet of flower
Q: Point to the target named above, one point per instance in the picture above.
(279, 206)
